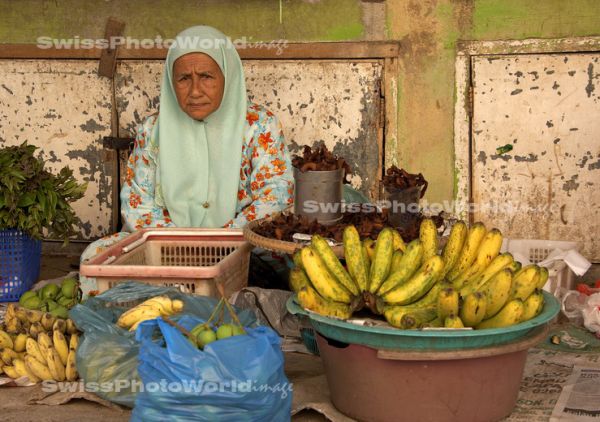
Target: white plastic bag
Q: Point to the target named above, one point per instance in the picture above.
(583, 309)
(591, 314)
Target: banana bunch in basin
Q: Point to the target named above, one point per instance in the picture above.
(467, 284)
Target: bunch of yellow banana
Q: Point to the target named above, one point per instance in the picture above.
(47, 355)
(149, 309)
(468, 284)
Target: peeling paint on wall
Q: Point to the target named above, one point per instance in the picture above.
(332, 102)
(547, 189)
(45, 103)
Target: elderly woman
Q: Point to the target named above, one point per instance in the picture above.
(210, 157)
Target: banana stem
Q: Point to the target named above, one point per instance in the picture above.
(217, 308)
(179, 327)
(233, 315)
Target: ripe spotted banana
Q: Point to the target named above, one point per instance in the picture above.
(525, 282)
(447, 303)
(468, 252)
(367, 260)
(428, 237)
(56, 367)
(497, 292)
(418, 317)
(418, 284)
(356, 259)
(321, 279)
(44, 342)
(544, 274)
(38, 369)
(396, 259)
(8, 355)
(369, 246)
(311, 300)
(509, 315)
(19, 342)
(73, 342)
(24, 371)
(499, 263)
(488, 250)
(408, 265)
(472, 310)
(5, 340)
(298, 279)
(382, 259)
(395, 314)
(399, 244)
(333, 264)
(33, 350)
(132, 316)
(71, 367)
(11, 371)
(533, 306)
(453, 321)
(454, 245)
(297, 259)
(60, 344)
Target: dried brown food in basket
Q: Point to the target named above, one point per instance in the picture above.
(320, 159)
(396, 178)
(369, 224)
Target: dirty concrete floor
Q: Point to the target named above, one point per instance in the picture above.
(14, 407)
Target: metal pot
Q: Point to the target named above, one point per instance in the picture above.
(318, 195)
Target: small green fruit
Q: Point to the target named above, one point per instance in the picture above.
(60, 312)
(224, 331)
(33, 302)
(28, 294)
(205, 337)
(238, 331)
(49, 291)
(69, 287)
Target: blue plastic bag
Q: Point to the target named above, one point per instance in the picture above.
(240, 378)
(107, 355)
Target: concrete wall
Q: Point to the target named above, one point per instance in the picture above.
(428, 30)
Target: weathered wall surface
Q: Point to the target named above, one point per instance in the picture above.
(429, 30)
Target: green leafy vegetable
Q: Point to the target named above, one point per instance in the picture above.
(32, 199)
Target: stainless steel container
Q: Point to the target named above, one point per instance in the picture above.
(318, 195)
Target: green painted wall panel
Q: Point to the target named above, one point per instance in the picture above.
(25, 20)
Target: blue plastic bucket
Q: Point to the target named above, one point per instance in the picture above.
(20, 257)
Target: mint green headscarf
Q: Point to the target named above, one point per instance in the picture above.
(199, 161)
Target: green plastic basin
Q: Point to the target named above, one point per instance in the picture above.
(430, 339)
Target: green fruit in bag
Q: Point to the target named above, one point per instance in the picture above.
(205, 337)
(238, 331)
(224, 331)
(49, 291)
(69, 287)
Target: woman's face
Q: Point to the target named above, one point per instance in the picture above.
(199, 84)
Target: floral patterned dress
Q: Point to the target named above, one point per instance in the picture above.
(266, 181)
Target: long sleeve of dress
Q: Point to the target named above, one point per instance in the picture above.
(266, 179)
(139, 207)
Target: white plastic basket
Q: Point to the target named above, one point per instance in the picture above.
(194, 260)
(560, 277)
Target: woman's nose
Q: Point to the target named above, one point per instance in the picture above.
(197, 90)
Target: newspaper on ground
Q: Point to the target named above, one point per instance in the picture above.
(580, 397)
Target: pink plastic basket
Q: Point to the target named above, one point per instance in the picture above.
(194, 260)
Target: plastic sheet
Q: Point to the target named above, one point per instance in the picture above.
(240, 378)
(107, 356)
